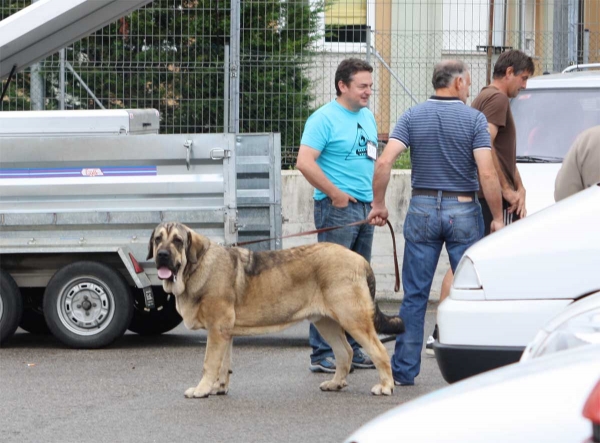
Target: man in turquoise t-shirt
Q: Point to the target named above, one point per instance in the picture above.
(337, 156)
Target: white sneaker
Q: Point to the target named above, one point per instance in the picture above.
(429, 346)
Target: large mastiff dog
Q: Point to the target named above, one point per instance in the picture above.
(234, 291)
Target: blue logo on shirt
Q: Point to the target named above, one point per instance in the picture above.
(359, 150)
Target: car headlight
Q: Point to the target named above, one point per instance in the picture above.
(579, 330)
(466, 276)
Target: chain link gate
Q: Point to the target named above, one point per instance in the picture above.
(214, 66)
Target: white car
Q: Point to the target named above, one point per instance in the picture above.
(536, 401)
(509, 284)
(577, 325)
(549, 115)
(552, 395)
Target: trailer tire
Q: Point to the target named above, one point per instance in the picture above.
(87, 305)
(11, 306)
(156, 321)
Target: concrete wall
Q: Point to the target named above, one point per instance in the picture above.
(297, 209)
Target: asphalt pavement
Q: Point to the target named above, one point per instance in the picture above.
(133, 391)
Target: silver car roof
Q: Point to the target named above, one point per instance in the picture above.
(567, 80)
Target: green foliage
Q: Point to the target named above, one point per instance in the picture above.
(9, 7)
(275, 90)
(168, 56)
(17, 95)
(403, 161)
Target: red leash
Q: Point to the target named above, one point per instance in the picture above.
(332, 228)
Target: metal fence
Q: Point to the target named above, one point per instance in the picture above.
(265, 65)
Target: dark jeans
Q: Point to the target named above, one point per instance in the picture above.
(357, 238)
(430, 222)
(487, 215)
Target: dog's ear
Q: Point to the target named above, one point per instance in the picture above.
(151, 246)
(193, 248)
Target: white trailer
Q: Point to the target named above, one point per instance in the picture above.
(76, 213)
(87, 123)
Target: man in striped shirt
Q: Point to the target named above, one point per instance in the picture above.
(511, 72)
(450, 151)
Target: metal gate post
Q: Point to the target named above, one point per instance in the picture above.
(226, 95)
(572, 36)
(37, 89)
(61, 81)
(234, 67)
(230, 194)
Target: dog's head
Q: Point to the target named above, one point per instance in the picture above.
(175, 253)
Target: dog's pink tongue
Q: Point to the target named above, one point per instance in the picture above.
(164, 273)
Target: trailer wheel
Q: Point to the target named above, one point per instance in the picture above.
(87, 305)
(11, 306)
(155, 321)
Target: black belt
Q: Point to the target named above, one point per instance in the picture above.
(434, 193)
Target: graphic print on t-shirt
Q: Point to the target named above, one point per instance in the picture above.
(359, 149)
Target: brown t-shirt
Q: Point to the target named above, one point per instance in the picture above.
(496, 108)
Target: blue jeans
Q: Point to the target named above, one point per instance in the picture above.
(430, 222)
(357, 238)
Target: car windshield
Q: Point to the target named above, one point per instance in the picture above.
(548, 121)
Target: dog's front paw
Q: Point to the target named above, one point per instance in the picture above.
(194, 392)
(382, 390)
(333, 385)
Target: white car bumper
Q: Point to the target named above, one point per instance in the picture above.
(476, 336)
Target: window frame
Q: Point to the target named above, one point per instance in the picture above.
(342, 47)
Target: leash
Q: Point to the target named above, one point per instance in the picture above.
(332, 228)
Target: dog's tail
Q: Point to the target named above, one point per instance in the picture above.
(384, 324)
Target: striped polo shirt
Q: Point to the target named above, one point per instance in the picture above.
(442, 134)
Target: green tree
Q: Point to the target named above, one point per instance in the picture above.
(17, 95)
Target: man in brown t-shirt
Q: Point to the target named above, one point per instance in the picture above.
(511, 72)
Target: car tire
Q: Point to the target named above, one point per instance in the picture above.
(155, 321)
(11, 306)
(87, 305)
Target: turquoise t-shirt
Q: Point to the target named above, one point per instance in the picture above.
(341, 136)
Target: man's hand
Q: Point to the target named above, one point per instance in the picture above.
(516, 201)
(341, 199)
(378, 215)
(496, 225)
(521, 210)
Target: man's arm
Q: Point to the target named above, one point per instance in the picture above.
(383, 168)
(521, 210)
(516, 199)
(307, 165)
(490, 185)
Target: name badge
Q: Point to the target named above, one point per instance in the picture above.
(372, 150)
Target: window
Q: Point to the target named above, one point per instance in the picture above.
(539, 111)
(345, 24)
(346, 21)
(465, 24)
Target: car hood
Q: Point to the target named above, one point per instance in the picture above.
(551, 254)
(539, 400)
(538, 180)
